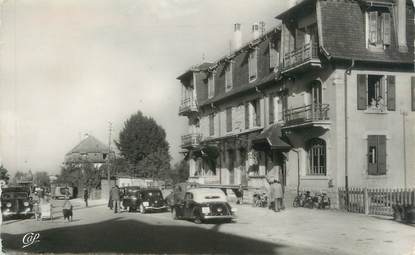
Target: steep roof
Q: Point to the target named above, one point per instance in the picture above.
(202, 67)
(350, 42)
(89, 145)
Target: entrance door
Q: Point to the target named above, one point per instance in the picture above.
(244, 175)
(231, 166)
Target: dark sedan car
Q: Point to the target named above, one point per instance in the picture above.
(15, 201)
(130, 197)
(151, 200)
(202, 204)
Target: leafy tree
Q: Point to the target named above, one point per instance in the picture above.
(83, 175)
(142, 142)
(41, 179)
(180, 172)
(4, 173)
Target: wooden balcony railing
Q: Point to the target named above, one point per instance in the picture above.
(188, 105)
(191, 140)
(304, 114)
(301, 55)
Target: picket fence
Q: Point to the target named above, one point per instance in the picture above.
(375, 201)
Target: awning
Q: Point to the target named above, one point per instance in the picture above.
(270, 138)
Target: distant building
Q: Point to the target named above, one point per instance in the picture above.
(89, 150)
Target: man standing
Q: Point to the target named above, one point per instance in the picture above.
(278, 195)
(115, 196)
(86, 196)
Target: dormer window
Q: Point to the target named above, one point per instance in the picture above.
(211, 85)
(253, 64)
(378, 27)
(228, 77)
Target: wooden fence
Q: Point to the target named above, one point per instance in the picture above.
(375, 201)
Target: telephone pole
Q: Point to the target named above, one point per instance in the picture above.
(109, 153)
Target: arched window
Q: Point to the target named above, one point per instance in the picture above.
(317, 157)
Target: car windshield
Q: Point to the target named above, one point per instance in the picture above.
(14, 195)
(152, 194)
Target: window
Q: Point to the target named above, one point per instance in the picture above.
(211, 85)
(229, 119)
(274, 55)
(228, 77)
(253, 64)
(212, 124)
(282, 105)
(376, 154)
(271, 108)
(252, 114)
(317, 157)
(376, 93)
(378, 27)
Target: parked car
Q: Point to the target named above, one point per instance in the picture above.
(150, 200)
(179, 190)
(130, 197)
(202, 204)
(59, 192)
(15, 201)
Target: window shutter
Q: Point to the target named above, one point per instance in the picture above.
(211, 125)
(413, 92)
(246, 115)
(386, 17)
(391, 101)
(258, 113)
(381, 154)
(372, 142)
(373, 27)
(271, 109)
(229, 119)
(361, 92)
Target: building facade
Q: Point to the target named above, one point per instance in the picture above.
(324, 101)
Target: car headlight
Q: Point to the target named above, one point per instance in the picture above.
(9, 204)
(205, 210)
(234, 210)
(26, 203)
(146, 204)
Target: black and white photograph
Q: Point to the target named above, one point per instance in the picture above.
(282, 127)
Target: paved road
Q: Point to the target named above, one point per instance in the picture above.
(97, 230)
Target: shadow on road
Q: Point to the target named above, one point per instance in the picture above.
(131, 236)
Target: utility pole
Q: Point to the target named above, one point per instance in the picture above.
(109, 153)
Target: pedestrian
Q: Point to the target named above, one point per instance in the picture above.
(240, 195)
(67, 210)
(272, 194)
(278, 195)
(115, 196)
(86, 196)
(110, 199)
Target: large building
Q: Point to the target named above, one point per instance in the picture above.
(327, 98)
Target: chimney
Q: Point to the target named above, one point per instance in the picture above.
(237, 36)
(255, 31)
(402, 26)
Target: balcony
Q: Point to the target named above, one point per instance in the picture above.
(309, 115)
(191, 140)
(213, 179)
(302, 58)
(187, 106)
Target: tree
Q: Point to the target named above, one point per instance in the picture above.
(142, 142)
(4, 173)
(42, 179)
(180, 172)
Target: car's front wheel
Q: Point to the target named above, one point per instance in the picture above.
(142, 209)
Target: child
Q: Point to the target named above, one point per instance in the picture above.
(67, 210)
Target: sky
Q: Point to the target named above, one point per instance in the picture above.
(69, 67)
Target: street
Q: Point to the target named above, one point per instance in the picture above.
(96, 229)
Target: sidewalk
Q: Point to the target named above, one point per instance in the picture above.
(340, 232)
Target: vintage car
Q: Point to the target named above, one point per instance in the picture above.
(130, 197)
(151, 200)
(202, 204)
(179, 190)
(15, 201)
(60, 192)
